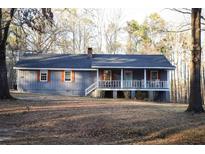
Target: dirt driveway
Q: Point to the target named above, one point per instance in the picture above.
(43, 119)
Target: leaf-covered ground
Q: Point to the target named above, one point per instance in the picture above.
(44, 119)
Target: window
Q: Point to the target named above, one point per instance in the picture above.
(67, 75)
(44, 76)
(107, 74)
(154, 75)
(128, 75)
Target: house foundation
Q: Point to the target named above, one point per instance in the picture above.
(133, 94)
(167, 96)
(114, 94)
(151, 95)
(162, 96)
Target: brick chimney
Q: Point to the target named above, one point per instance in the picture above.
(90, 51)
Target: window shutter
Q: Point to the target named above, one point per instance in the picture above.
(149, 75)
(73, 76)
(49, 76)
(63, 76)
(113, 76)
(38, 75)
(101, 75)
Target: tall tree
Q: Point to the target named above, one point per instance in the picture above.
(195, 98)
(137, 35)
(148, 36)
(77, 30)
(4, 32)
(18, 17)
(112, 32)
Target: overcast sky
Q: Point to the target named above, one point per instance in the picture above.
(140, 14)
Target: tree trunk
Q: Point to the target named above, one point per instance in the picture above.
(4, 32)
(188, 82)
(4, 88)
(203, 84)
(185, 83)
(195, 99)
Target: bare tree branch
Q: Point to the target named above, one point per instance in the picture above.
(181, 11)
(176, 31)
(185, 11)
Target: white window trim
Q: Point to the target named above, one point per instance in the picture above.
(70, 76)
(46, 76)
(151, 75)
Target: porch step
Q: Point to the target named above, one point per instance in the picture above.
(90, 88)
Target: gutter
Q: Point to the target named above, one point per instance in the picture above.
(59, 69)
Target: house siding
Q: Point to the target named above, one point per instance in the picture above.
(27, 82)
(138, 74)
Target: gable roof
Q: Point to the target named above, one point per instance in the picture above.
(83, 61)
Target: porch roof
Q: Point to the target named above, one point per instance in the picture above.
(131, 61)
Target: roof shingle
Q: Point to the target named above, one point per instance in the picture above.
(132, 61)
(82, 61)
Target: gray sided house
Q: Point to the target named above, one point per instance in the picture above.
(98, 75)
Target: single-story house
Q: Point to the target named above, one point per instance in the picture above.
(95, 74)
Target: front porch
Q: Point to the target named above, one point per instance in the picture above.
(131, 80)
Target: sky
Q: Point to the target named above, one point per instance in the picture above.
(140, 14)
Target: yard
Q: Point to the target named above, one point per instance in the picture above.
(44, 119)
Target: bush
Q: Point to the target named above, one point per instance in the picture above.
(141, 95)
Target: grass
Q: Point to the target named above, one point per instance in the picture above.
(44, 119)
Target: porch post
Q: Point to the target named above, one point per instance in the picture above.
(169, 83)
(121, 78)
(97, 78)
(145, 78)
(168, 79)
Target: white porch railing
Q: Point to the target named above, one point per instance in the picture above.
(126, 84)
(132, 84)
(136, 84)
(114, 84)
(157, 84)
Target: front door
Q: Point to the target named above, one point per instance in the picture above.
(128, 77)
(107, 75)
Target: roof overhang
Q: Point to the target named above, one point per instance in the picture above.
(94, 68)
(55, 69)
(128, 67)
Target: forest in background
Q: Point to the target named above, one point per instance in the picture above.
(76, 29)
